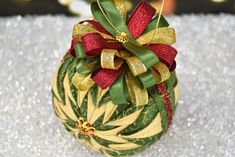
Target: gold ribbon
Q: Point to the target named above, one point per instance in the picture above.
(80, 29)
(121, 7)
(136, 66)
(138, 95)
(164, 35)
(110, 59)
(160, 72)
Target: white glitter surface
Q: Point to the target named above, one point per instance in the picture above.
(204, 123)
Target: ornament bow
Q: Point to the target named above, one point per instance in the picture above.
(126, 57)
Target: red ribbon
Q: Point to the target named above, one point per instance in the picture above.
(166, 53)
(167, 103)
(71, 50)
(104, 78)
(173, 66)
(140, 18)
(94, 43)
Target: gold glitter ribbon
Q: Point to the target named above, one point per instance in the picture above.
(80, 29)
(82, 82)
(165, 35)
(121, 7)
(112, 59)
(136, 66)
(160, 72)
(138, 95)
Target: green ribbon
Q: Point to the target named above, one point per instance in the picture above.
(119, 92)
(79, 51)
(147, 79)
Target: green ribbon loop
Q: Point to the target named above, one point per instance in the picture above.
(119, 92)
(79, 51)
(147, 79)
(144, 54)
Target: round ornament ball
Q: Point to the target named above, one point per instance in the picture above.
(116, 88)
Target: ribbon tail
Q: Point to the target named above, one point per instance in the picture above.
(138, 95)
(119, 92)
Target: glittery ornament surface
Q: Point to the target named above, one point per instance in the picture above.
(204, 123)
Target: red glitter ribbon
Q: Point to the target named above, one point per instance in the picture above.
(104, 78)
(167, 103)
(94, 43)
(166, 53)
(140, 18)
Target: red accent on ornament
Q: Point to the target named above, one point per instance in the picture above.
(169, 109)
(161, 88)
(104, 78)
(167, 103)
(166, 53)
(140, 18)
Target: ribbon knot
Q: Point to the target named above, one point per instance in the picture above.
(122, 37)
(114, 59)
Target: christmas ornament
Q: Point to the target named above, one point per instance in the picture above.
(116, 89)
